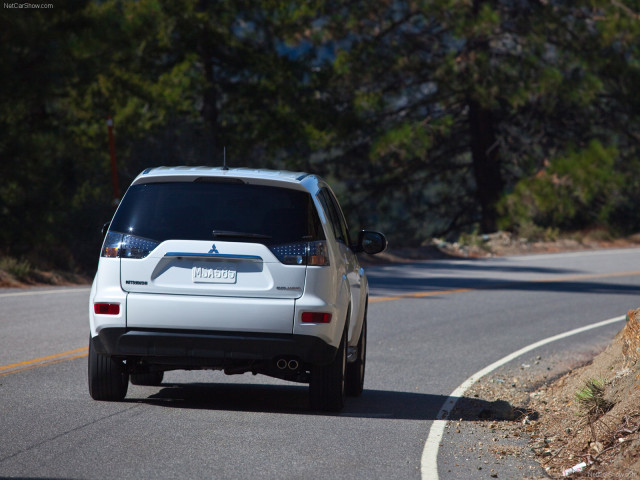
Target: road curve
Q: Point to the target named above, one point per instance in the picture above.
(431, 326)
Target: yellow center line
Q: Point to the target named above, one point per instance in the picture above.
(37, 365)
(42, 361)
(420, 294)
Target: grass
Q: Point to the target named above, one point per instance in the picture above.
(21, 270)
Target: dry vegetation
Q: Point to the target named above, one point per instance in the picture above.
(21, 273)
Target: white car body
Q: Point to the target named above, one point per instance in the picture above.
(171, 299)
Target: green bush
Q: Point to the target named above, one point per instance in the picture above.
(577, 190)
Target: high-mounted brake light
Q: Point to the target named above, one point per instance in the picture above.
(316, 317)
(106, 308)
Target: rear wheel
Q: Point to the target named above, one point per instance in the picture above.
(355, 370)
(327, 386)
(152, 379)
(108, 379)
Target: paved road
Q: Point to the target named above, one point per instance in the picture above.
(431, 326)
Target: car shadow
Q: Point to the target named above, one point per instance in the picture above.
(294, 399)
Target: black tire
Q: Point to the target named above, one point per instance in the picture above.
(148, 379)
(108, 379)
(327, 385)
(355, 370)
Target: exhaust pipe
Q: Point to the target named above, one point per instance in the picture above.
(292, 364)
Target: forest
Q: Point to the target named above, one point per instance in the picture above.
(430, 118)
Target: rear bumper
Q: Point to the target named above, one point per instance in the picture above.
(210, 349)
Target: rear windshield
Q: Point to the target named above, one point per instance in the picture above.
(193, 210)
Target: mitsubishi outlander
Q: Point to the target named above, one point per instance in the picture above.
(236, 270)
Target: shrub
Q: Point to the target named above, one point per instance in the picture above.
(577, 190)
(19, 269)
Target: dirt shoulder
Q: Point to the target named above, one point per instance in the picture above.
(591, 416)
(576, 416)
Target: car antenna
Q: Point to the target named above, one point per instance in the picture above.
(224, 157)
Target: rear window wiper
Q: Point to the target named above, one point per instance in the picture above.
(232, 234)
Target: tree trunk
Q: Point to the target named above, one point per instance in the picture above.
(486, 165)
(484, 149)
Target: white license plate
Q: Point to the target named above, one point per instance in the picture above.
(213, 275)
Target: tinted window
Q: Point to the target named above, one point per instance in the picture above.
(330, 206)
(191, 211)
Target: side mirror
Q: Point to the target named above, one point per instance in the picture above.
(105, 229)
(371, 242)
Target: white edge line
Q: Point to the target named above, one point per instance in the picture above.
(45, 292)
(429, 460)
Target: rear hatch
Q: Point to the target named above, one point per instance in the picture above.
(185, 245)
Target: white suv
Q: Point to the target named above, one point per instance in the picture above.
(230, 269)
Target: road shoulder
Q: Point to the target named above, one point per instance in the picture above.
(523, 420)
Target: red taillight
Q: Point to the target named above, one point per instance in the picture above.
(316, 317)
(302, 253)
(106, 308)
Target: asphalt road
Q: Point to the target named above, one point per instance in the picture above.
(431, 326)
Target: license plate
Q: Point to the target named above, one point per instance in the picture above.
(213, 275)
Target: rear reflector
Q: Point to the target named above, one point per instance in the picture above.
(106, 308)
(316, 317)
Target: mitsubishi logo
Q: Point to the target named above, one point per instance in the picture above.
(213, 249)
